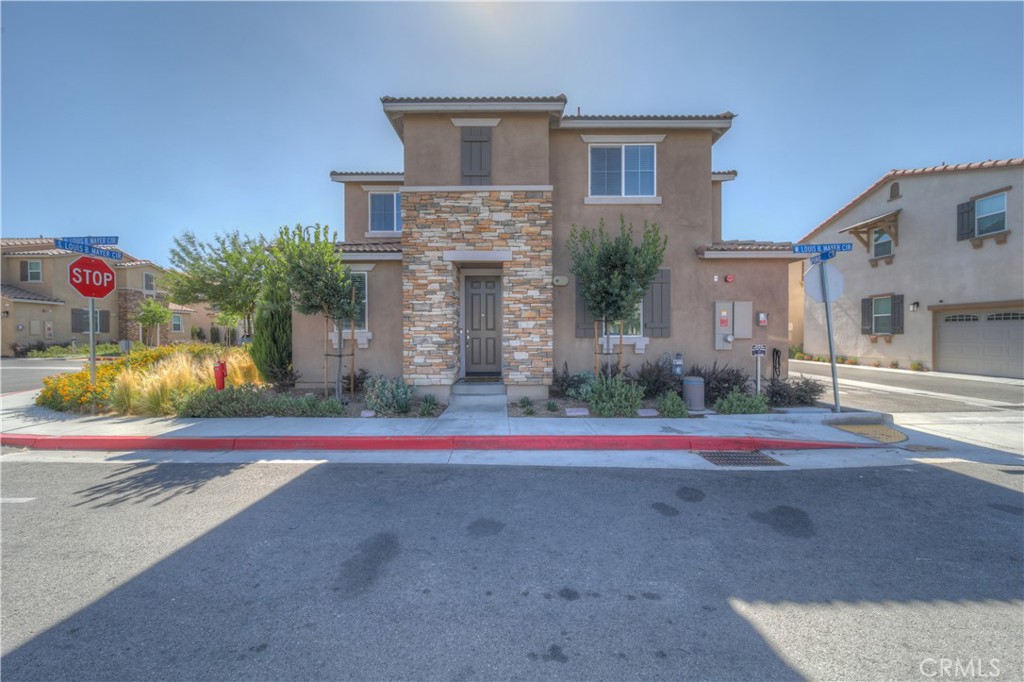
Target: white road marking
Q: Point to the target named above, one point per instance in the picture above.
(976, 402)
(15, 500)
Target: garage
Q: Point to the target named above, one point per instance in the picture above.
(981, 341)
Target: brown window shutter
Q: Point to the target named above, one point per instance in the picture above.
(866, 314)
(584, 320)
(78, 320)
(104, 321)
(965, 221)
(658, 306)
(476, 156)
(897, 314)
(24, 271)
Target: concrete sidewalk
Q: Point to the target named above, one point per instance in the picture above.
(25, 425)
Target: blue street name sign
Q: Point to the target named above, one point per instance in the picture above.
(90, 241)
(822, 248)
(822, 256)
(86, 249)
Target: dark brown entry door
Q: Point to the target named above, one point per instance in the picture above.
(483, 325)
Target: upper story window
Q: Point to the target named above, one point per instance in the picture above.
(625, 170)
(476, 155)
(149, 281)
(881, 244)
(385, 212)
(990, 214)
(31, 271)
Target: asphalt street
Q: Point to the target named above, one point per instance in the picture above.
(297, 571)
(24, 374)
(894, 392)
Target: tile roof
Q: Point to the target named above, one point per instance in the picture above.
(389, 246)
(24, 241)
(366, 172)
(134, 264)
(40, 252)
(387, 99)
(175, 308)
(725, 172)
(724, 116)
(748, 245)
(897, 173)
(18, 294)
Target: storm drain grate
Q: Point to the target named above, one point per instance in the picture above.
(739, 458)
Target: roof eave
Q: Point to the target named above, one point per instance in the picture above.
(363, 177)
(751, 255)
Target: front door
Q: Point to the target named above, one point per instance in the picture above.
(483, 325)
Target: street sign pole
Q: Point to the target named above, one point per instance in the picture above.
(831, 342)
(92, 342)
(757, 380)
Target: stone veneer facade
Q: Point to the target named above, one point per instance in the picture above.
(128, 303)
(519, 221)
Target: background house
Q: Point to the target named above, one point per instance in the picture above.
(937, 271)
(464, 260)
(39, 305)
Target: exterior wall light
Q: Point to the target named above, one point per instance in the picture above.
(915, 306)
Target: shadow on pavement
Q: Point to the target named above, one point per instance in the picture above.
(419, 572)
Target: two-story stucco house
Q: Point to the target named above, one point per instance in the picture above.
(39, 304)
(937, 271)
(463, 253)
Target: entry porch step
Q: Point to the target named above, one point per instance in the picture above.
(478, 387)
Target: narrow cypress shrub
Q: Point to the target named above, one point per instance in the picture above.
(271, 347)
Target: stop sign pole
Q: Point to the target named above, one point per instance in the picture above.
(92, 278)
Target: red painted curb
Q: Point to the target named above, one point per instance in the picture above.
(384, 443)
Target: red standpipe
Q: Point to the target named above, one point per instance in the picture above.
(220, 373)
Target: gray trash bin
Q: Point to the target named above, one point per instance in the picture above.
(693, 392)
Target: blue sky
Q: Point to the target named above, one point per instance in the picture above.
(143, 120)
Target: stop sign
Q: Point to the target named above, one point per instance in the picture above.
(91, 277)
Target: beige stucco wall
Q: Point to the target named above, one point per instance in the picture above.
(519, 149)
(716, 211)
(796, 304)
(384, 320)
(929, 266)
(55, 283)
(686, 217)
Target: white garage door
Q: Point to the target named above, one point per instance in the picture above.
(989, 342)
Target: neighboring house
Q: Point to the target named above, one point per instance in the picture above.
(39, 304)
(937, 271)
(463, 254)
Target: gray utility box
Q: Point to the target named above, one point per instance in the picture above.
(733, 320)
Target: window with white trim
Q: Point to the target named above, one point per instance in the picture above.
(990, 214)
(385, 211)
(881, 244)
(622, 170)
(176, 324)
(881, 315)
(149, 281)
(34, 271)
(632, 325)
(359, 279)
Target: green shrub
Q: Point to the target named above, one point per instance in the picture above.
(656, 378)
(552, 406)
(214, 334)
(894, 364)
(615, 397)
(583, 388)
(792, 392)
(388, 396)
(720, 381)
(563, 383)
(429, 405)
(917, 366)
(81, 349)
(529, 410)
(611, 370)
(739, 402)
(525, 402)
(671, 405)
(256, 401)
(795, 351)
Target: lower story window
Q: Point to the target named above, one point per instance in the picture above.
(359, 281)
(881, 315)
(176, 325)
(631, 326)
